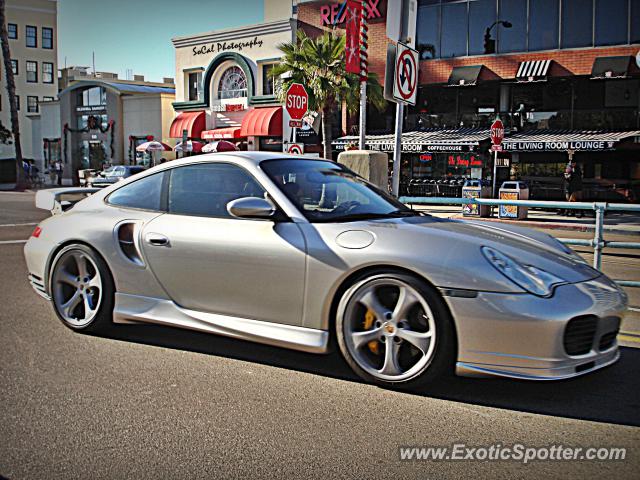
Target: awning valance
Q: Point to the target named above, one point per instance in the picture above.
(423, 141)
(262, 122)
(193, 122)
(533, 71)
(563, 140)
(228, 133)
(611, 67)
(469, 76)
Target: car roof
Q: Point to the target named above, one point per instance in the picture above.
(233, 157)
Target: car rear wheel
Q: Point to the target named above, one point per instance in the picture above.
(81, 288)
(394, 329)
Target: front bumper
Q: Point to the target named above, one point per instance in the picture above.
(523, 336)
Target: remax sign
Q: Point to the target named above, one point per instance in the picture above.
(333, 13)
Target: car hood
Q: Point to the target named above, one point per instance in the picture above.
(460, 243)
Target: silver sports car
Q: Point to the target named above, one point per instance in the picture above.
(293, 252)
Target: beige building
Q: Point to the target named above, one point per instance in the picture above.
(32, 28)
(103, 119)
(224, 89)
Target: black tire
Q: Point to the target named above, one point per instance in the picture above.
(444, 353)
(103, 315)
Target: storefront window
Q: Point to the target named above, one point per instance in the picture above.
(543, 24)
(611, 22)
(194, 79)
(428, 31)
(635, 21)
(577, 23)
(454, 28)
(233, 84)
(513, 39)
(482, 14)
(268, 85)
(93, 96)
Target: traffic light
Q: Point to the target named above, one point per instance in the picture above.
(489, 43)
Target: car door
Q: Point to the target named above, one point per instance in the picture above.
(209, 261)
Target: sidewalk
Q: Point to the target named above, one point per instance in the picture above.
(615, 222)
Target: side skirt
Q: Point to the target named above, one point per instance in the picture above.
(139, 309)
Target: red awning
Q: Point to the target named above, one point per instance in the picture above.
(262, 122)
(193, 122)
(222, 133)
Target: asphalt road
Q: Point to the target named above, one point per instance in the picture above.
(154, 402)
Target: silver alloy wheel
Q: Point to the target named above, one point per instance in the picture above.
(400, 343)
(77, 288)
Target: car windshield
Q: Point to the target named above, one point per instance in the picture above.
(325, 191)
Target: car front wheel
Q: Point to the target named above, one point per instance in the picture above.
(81, 288)
(394, 329)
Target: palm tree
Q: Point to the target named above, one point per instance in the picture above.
(21, 181)
(318, 64)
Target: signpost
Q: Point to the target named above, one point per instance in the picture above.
(297, 104)
(403, 69)
(497, 135)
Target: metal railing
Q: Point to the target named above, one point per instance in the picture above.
(598, 243)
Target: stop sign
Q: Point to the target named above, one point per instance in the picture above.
(497, 132)
(297, 101)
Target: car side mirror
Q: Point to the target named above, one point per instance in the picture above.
(251, 207)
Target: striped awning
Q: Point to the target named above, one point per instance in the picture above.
(533, 71)
(422, 141)
(563, 140)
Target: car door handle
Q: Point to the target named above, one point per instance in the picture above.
(157, 240)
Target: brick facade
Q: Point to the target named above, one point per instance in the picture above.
(569, 62)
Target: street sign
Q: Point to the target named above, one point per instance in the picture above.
(297, 101)
(405, 84)
(295, 123)
(401, 21)
(496, 148)
(497, 132)
(294, 148)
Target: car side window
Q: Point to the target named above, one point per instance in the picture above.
(145, 193)
(205, 189)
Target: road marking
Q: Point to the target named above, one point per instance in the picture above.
(18, 224)
(9, 242)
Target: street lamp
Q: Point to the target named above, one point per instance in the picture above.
(490, 43)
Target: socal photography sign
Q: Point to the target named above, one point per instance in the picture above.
(226, 46)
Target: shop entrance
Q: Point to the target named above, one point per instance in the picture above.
(93, 154)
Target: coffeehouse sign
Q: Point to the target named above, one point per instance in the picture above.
(588, 145)
(414, 147)
(217, 47)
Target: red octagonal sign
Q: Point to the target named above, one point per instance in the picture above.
(297, 101)
(497, 132)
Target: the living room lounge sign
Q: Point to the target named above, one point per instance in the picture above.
(225, 46)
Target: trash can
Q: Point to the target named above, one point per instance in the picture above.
(513, 191)
(475, 189)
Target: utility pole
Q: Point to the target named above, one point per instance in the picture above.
(364, 68)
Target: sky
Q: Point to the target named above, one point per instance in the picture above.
(136, 34)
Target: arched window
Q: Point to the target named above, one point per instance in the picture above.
(233, 83)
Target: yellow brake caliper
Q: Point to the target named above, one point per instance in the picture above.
(369, 318)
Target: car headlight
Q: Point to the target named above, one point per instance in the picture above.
(533, 280)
